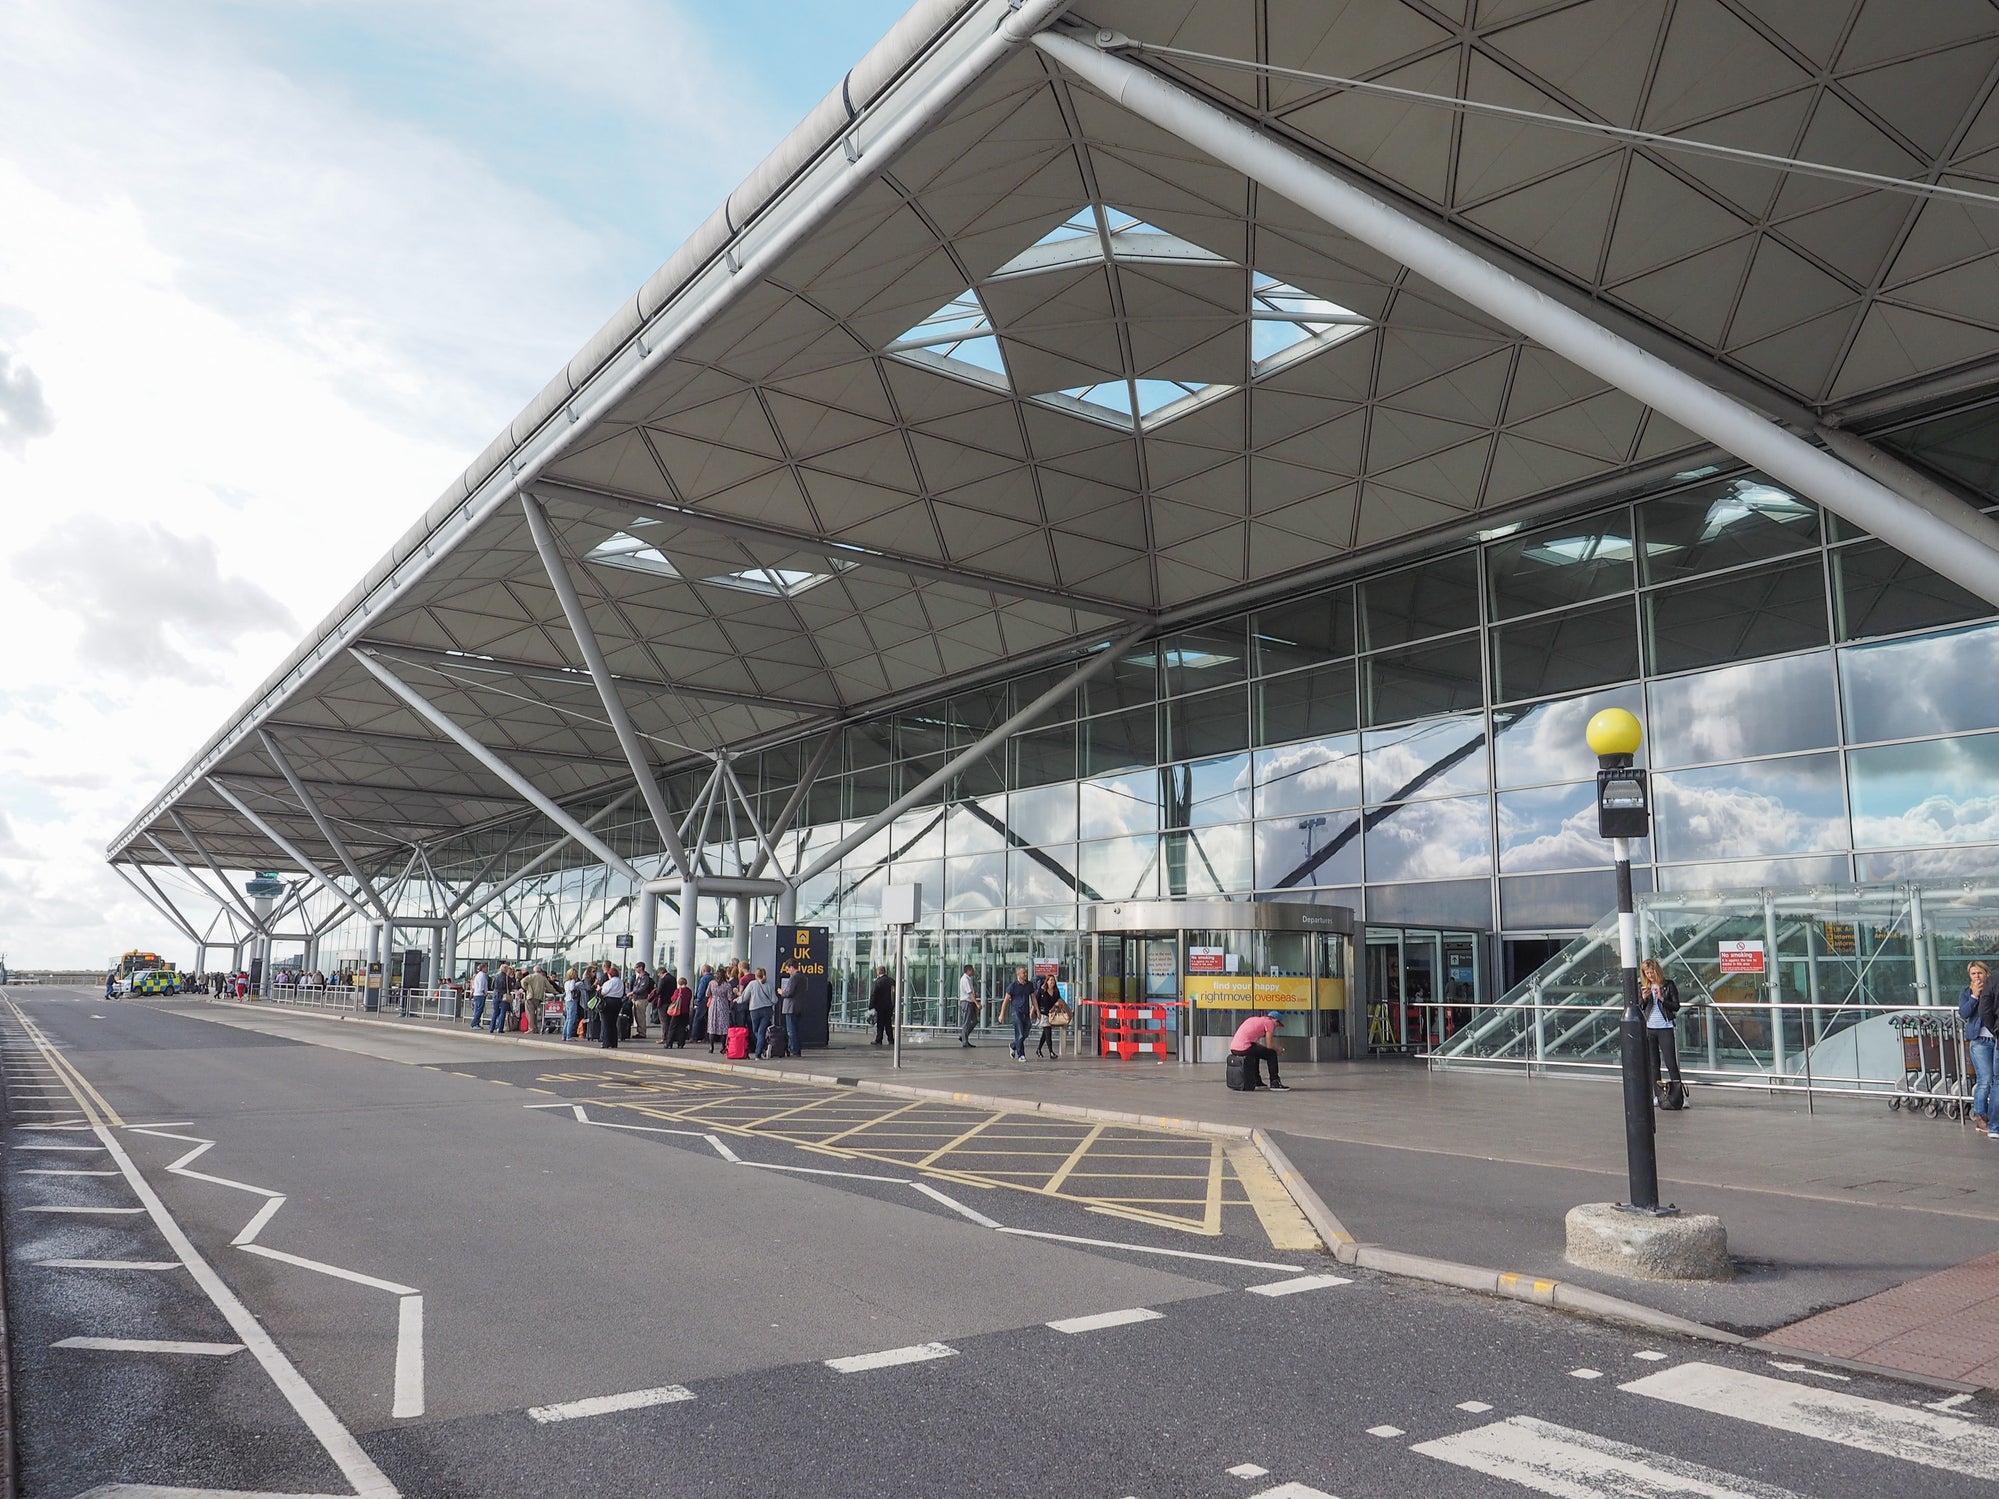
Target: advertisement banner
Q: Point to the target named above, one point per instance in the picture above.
(1239, 991)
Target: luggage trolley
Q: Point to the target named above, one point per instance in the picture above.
(1933, 1064)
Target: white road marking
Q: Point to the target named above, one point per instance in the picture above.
(1586, 1374)
(92, 1149)
(1650, 1355)
(1386, 1431)
(604, 1405)
(1809, 1369)
(1100, 1320)
(152, 1491)
(1247, 1470)
(1292, 1491)
(256, 1224)
(409, 1358)
(972, 1214)
(1178, 1254)
(54, 1209)
(59, 1171)
(723, 1151)
(1948, 1403)
(1476, 1407)
(324, 1269)
(1557, 1460)
(893, 1181)
(109, 1264)
(149, 1345)
(1298, 1283)
(1929, 1438)
(888, 1358)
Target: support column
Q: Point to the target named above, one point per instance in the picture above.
(690, 931)
(647, 938)
(739, 922)
(450, 970)
(1790, 460)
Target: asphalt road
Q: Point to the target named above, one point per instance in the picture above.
(389, 1273)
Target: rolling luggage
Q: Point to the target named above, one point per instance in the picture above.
(774, 1039)
(739, 1042)
(1240, 1078)
(625, 1023)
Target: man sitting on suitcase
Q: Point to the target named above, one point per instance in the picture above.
(1256, 1041)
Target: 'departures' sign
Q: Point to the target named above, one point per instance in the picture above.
(1742, 957)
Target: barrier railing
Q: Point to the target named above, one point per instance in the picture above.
(1128, 1029)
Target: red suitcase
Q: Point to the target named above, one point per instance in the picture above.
(739, 1042)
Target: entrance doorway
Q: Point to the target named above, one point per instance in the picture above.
(1422, 984)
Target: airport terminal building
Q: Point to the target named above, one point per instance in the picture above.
(1117, 461)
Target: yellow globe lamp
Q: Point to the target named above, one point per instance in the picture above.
(1614, 732)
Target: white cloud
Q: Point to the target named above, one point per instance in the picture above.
(255, 322)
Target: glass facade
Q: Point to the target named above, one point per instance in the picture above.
(1410, 742)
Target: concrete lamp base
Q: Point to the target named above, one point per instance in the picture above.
(1603, 1236)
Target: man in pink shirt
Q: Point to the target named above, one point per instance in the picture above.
(1256, 1038)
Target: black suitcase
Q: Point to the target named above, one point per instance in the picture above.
(625, 1024)
(1240, 1078)
(775, 1040)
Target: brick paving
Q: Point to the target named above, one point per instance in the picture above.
(1946, 1325)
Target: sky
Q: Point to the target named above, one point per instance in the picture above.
(272, 272)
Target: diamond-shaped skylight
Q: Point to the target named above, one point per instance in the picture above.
(774, 582)
(620, 549)
(1284, 323)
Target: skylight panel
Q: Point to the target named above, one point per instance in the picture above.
(1287, 324)
(771, 582)
(958, 338)
(622, 550)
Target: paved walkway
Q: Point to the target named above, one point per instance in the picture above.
(1848, 1206)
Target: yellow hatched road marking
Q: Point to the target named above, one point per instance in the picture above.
(968, 1134)
(1286, 1227)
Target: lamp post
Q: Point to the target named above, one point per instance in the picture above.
(1623, 812)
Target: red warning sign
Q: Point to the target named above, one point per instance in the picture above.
(1742, 957)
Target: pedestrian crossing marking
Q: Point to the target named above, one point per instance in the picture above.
(1929, 1438)
(1570, 1464)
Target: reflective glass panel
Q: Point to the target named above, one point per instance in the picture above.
(1426, 680)
(1552, 827)
(929, 873)
(984, 775)
(870, 791)
(1121, 868)
(1207, 792)
(1432, 598)
(1119, 804)
(1448, 903)
(1723, 524)
(910, 774)
(1119, 740)
(1043, 755)
(1557, 902)
(1322, 848)
(1825, 869)
(922, 733)
(976, 883)
(1430, 840)
(869, 744)
(1212, 656)
(1941, 791)
(1762, 612)
(1046, 814)
(861, 894)
(1929, 864)
(1793, 805)
(973, 714)
(919, 834)
(1878, 591)
(1564, 652)
(1939, 684)
(1964, 445)
(1439, 757)
(1206, 861)
(976, 827)
(1570, 563)
(1306, 704)
(1024, 690)
(1308, 777)
(1763, 708)
(1132, 681)
(1211, 723)
(1546, 742)
(1307, 633)
(1044, 875)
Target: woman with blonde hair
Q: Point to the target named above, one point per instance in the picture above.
(1659, 1002)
